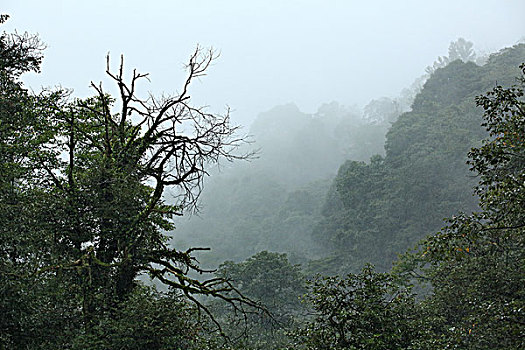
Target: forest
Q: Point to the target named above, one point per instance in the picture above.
(400, 226)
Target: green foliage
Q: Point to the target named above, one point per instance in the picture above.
(268, 278)
(82, 211)
(147, 319)
(21, 53)
(22, 133)
(82, 217)
(362, 311)
(272, 281)
(378, 210)
(475, 264)
(244, 213)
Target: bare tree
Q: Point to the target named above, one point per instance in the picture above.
(168, 139)
(118, 168)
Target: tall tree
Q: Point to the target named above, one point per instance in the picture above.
(460, 49)
(111, 187)
(84, 196)
(20, 135)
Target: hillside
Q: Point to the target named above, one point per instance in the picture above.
(375, 211)
(273, 202)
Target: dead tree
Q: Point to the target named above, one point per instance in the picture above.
(123, 154)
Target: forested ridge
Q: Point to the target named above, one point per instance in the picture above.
(377, 210)
(398, 228)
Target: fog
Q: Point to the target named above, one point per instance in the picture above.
(372, 199)
(271, 52)
(314, 83)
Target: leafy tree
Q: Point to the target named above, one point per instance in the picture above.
(350, 210)
(460, 49)
(362, 311)
(20, 134)
(147, 319)
(271, 280)
(382, 110)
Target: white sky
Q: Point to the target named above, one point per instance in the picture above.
(272, 52)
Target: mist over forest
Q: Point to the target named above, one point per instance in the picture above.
(292, 197)
(134, 220)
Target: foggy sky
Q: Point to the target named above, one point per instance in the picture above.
(272, 52)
